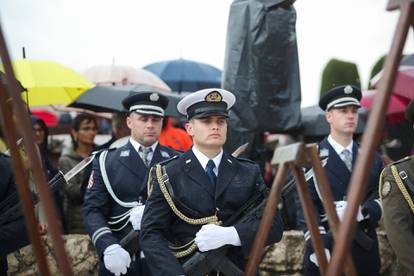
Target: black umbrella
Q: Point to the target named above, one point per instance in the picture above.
(109, 98)
(315, 124)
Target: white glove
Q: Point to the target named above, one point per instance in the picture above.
(116, 259)
(135, 216)
(212, 236)
(340, 210)
(313, 259)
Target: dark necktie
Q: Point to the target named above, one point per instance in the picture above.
(145, 153)
(210, 172)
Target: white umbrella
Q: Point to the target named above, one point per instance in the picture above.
(123, 75)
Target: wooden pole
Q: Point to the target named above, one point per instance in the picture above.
(22, 182)
(370, 141)
(35, 164)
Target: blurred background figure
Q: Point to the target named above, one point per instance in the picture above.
(40, 134)
(174, 137)
(119, 129)
(83, 132)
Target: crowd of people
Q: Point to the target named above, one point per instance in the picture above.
(177, 190)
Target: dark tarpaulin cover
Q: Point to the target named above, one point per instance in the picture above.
(261, 68)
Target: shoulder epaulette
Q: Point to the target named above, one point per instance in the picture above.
(168, 160)
(402, 160)
(243, 159)
(97, 152)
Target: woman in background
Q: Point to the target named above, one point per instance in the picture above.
(83, 132)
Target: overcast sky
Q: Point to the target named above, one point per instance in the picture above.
(83, 33)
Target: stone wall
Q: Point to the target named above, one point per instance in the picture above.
(284, 258)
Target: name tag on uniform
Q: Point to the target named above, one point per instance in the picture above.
(124, 153)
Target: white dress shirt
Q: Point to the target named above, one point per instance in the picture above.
(203, 159)
(339, 148)
(137, 146)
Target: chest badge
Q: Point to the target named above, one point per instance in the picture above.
(124, 153)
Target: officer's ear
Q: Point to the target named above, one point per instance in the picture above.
(328, 116)
(189, 127)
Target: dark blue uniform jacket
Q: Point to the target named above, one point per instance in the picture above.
(13, 235)
(237, 181)
(366, 261)
(127, 175)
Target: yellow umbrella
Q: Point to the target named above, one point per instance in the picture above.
(48, 82)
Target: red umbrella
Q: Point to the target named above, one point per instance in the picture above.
(47, 116)
(397, 103)
(404, 84)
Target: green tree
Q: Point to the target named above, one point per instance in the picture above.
(376, 69)
(339, 72)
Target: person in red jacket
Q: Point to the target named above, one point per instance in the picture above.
(174, 137)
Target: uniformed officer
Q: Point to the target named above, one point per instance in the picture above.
(13, 235)
(341, 111)
(117, 188)
(397, 195)
(204, 185)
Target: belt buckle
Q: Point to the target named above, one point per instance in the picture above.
(403, 174)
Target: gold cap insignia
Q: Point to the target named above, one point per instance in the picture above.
(386, 189)
(214, 96)
(154, 97)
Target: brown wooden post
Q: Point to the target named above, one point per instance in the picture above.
(371, 137)
(294, 156)
(22, 182)
(24, 125)
(326, 194)
(266, 222)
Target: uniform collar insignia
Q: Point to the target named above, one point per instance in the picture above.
(124, 153)
(323, 153)
(230, 161)
(187, 161)
(165, 154)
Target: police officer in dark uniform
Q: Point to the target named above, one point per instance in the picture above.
(13, 235)
(117, 191)
(205, 184)
(397, 197)
(341, 111)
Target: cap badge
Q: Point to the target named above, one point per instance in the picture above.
(214, 96)
(154, 97)
(348, 89)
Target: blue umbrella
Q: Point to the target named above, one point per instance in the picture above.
(186, 75)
